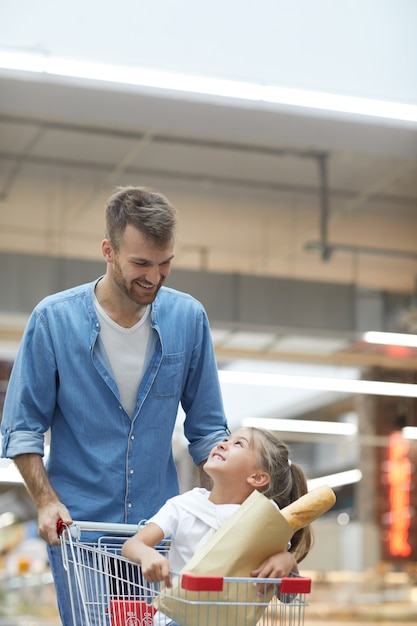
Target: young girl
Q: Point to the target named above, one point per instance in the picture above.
(249, 459)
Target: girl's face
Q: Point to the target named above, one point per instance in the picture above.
(235, 457)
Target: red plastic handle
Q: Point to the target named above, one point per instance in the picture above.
(60, 527)
(295, 585)
(191, 582)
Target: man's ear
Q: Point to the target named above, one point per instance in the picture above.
(107, 250)
(259, 479)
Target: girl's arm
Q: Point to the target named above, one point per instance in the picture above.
(277, 566)
(140, 549)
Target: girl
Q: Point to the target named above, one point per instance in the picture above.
(249, 459)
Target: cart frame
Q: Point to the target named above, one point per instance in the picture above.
(106, 589)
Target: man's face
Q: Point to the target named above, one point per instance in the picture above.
(138, 268)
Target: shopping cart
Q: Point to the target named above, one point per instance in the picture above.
(107, 589)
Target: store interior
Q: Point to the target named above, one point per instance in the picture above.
(289, 148)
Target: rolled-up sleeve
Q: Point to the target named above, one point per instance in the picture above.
(200, 449)
(205, 422)
(21, 442)
(31, 393)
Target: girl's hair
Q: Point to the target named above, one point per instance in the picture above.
(287, 482)
(147, 210)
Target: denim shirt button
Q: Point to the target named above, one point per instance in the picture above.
(132, 437)
(129, 504)
(131, 471)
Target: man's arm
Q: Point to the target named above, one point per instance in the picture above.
(50, 508)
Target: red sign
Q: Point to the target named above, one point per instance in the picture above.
(399, 482)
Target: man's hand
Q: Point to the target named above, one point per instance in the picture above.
(50, 508)
(48, 518)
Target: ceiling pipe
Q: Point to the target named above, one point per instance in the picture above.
(324, 206)
(323, 245)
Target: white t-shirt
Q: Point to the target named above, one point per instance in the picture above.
(125, 350)
(189, 520)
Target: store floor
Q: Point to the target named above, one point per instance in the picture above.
(36, 621)
(360, 622)
(361, 615)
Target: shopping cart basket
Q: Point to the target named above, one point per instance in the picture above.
(109, 590)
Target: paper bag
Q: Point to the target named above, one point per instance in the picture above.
(254, 532)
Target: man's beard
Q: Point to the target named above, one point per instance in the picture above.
(129, 290)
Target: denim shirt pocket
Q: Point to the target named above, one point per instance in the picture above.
(169, 376)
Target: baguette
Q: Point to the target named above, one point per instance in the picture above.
(309, 507)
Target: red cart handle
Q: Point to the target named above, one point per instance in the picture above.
(60, 526)
(295, 584)
(192, 582)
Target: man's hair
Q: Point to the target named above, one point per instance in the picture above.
(143, 208)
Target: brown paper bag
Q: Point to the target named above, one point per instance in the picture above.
(254, 532)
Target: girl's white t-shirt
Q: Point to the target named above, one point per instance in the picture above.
(189, 520)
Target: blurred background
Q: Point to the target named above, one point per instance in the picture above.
(286, 135)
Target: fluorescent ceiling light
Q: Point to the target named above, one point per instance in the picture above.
(8, 349)
(201, 85)
(302, 426)
(336, 480)
(309, 345)
(343, 385)
(9, 473)
(410, 432)
(246, 340)
(7, 519)
(391, 339)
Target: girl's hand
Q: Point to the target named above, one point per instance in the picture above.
(139, 549)
(277, 566)
(155, 567)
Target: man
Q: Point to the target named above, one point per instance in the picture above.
(104, 367)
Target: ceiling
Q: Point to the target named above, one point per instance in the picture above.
(262, 190)
(259, 192)
(253, 187)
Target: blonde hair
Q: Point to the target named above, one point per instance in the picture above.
(287, 481)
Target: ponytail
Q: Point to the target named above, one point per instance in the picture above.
(287, 482)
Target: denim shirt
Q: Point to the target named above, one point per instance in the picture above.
(105, 465)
